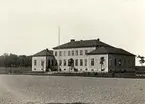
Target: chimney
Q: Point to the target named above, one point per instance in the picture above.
(98, 39)
(47, 50)
(72, 40)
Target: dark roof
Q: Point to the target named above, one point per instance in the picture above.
(45, 52)
(82, 44)
(110, 50)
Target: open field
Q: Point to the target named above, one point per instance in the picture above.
(26, 89)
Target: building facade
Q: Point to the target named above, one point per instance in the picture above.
(84, 56)
(43, 61)
(93, 56)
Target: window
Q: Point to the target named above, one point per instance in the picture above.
(55, 53)
(92, 62)
(81, 62)
(120, 62)
(86, 69)
(92, 70)
(64, 69)
(110, 62)
(42, 63)
(72, 53)
(76, 52)
(86, 51)
(85, 62)
(48, 63)
(60, 53)
(124, 62)
(34, 68)
(68, 53)
(64, 53)
(60, 62)
(115, 62)
(81, 52)
(35, 62)
(76, 62)
(64, 62)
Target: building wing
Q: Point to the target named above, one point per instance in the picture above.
(110, 50)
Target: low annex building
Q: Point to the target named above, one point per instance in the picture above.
(43, 61)
(87, 56)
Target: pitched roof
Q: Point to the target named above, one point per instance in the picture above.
(45, 52)
(82, 44)
(110, 50)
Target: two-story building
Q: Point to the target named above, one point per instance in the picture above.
(92, 56)
(84, 56)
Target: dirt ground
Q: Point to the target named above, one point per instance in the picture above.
(26, 89)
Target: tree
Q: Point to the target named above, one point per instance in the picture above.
(142, 59)
(12, 60)
(102, 59)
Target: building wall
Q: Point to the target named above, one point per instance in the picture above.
(127, 63)
(97, 66)
(38, 66)
(74, 57)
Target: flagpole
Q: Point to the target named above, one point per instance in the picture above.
(58, 48)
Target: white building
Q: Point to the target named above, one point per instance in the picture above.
(93, 56)
(84, 56)
(43, 61)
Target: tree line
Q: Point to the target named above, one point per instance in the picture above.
(13, 60)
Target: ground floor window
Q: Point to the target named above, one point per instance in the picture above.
(92, 62)
(81, 62)
(64, 62)
(76, 62)
(85, 62)
(60, 62)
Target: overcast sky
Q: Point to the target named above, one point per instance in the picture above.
(29, 26)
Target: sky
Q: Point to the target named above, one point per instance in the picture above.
(29, 26)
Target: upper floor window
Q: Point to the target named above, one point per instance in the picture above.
(81, 62)
(81, 52)
(68, 53)
(60, 53)
(55, 53)
(35, 62)
(64, 53)
(86, 51)
(76, 52)
(92, 62)
(72, 53)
